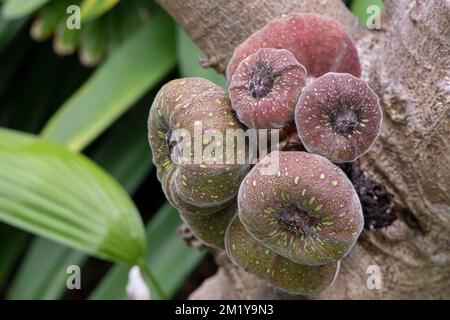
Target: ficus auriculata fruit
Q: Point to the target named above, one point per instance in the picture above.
(318, 42)
(276, 270)
(308, 212)
(193, 186)
(265, 88)
(338, 116)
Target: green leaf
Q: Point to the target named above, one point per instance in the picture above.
(169, 258)
(93, 43)
(91, 9)
(63, 196)
(30, 105)
(125, 154)
(34, 280)
(13, 9)
(112, 24)
(139, 64)
(65, 40)
(130, 17)
(188, 60)
(48, 18)
(11, 138)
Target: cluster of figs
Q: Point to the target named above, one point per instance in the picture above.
(299, 74)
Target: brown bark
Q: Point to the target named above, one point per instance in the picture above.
(407, 64)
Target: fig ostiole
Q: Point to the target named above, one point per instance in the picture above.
(265, 88)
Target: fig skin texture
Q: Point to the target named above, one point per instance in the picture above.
(210, 229)
(198, 188)
(339, 117)
(308, 212)
(318, 42)
(265, 88)
(255, 258)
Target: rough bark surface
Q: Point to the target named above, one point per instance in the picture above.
(407, 64)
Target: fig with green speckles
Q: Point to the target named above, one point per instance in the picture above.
(265, 88)
(339, 117)
(318, 42)
(210, 229)
(274, 269)
(193, 183)
(308, 211)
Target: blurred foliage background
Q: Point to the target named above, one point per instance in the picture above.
(77, 185)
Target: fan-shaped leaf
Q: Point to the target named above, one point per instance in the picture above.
(65, 197)
(125, 154)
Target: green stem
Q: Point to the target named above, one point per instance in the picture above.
(151, 280)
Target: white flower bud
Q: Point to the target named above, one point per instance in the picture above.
(137, 289)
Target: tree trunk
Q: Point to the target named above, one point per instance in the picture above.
(407, 64)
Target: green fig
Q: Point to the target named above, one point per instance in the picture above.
(257, 259)
(308, 211)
